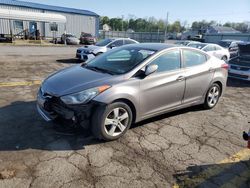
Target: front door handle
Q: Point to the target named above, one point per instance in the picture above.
(180, 78)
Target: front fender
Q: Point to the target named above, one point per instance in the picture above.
(128, 90)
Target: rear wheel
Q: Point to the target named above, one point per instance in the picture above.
(212, 96)
(112, 122)
(224, 58)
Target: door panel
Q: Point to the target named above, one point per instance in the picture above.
(161, 91)
(165, 88)
(198, 75)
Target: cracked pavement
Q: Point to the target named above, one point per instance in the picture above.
(182, 148)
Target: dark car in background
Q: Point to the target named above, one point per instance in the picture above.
(232, 46)
(240, 65)
(87, 38)
(4, 38)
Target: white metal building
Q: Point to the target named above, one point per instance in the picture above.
(77, 20)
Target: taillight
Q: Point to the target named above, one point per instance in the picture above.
(225, 66)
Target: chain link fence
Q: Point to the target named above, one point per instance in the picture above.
(138, 36)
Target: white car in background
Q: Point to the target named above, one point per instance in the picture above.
(90, 52)
(185, 42)
(213, 49)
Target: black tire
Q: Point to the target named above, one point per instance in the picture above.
(98, 121)
(224, 58)
(207, 103)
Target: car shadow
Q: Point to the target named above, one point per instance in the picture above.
(215, 175)
(21, 127)
(232, 82)
(167, 115)
(69, 61)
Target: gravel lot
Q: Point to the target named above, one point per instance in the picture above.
(188, 148)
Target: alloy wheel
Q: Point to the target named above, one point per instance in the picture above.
(213, 96)
(116, 122)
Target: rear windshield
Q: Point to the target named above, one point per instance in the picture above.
(225, 44)
(244, 48)
(182, 43)
(197, 45)
(86, 35)
(104, 42)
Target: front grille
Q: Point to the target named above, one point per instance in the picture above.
(86, 52)
(240, 68)
(240, 61)
(238, 75)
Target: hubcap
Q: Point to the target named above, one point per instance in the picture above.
(213, 96)
(116, 122)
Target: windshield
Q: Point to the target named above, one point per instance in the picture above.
(244, 49)
(120, 60)
(104, 42)
(86, 35)
(197, 45)
(225, 44)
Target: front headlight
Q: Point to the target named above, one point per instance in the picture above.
(84, 96)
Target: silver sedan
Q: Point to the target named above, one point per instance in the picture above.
(132, 83)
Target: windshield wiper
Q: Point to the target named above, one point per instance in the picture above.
(100, 70)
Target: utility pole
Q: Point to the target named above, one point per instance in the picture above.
(166, 30)
(122, 22)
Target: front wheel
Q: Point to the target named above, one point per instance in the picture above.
(112, 122)
(212, 96)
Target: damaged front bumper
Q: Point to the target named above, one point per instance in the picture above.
(51, 108)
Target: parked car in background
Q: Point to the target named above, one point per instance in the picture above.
(4, 38)
(239, 67)
(70, 39)
(185, 42)
(132, 83)
(213, 49)
(87, 38)
(232, 46)
(89, 52)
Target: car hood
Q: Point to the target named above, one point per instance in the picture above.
(75, 79)
(90, 47)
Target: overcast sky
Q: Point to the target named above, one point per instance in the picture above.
(183, 10)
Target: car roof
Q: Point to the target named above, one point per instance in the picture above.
(153, 46)
(230, 40)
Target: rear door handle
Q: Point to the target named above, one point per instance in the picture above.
(180, 78)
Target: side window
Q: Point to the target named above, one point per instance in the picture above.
(217, 48)
(117, 43)
(168, 61)
(193, 58)
(209, 48)
(129, 42)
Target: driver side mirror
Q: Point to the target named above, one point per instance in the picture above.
(150, 69)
